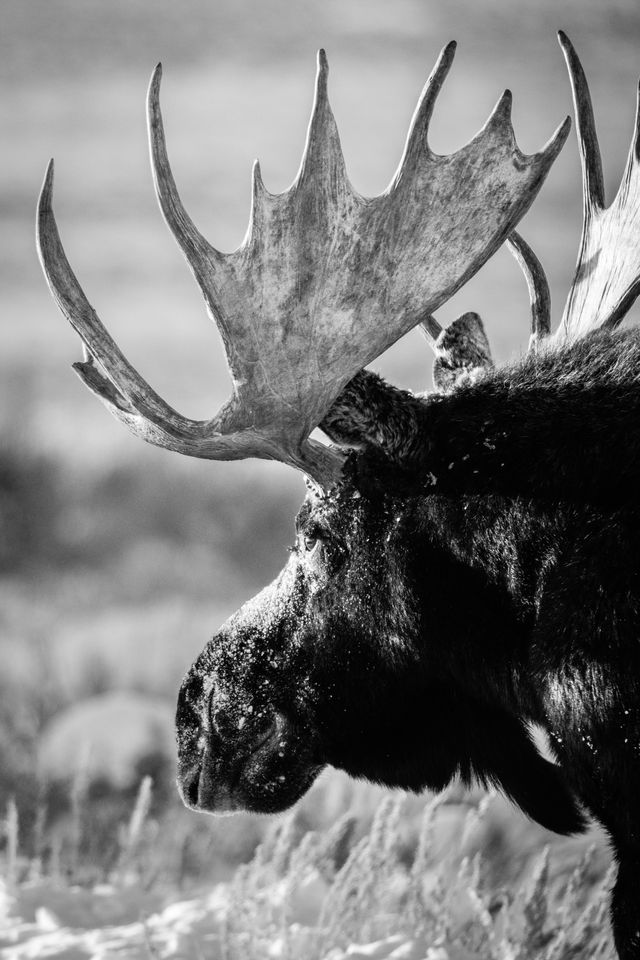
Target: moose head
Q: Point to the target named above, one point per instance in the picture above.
(324, 282)
(414, 633)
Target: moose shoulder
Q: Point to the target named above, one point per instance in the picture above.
(465, 564)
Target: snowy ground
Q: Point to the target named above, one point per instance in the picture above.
(296, 901)
(71, 925)
(46, 920)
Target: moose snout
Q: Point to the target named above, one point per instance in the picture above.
(218, 736)
(207, 787)
(209, 773)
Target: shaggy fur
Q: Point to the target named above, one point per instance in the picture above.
(543, 427)
(413, 638)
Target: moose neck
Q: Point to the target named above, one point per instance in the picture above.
(493, 557)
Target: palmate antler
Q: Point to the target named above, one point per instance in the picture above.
(607, 277)
(323, 283)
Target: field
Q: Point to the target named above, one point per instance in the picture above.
(422, 882)
(118, 561)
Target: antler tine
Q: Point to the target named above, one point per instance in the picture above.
(629, 198)
(205, 261)
(430, 329)
(97, 341)
(417, 143)
(634, 152)
(590, 159)
(539, 295)
(322, 166)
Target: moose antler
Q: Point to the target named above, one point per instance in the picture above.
(323, 283)
(607, 277)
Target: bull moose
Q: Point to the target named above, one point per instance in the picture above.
(465, 563)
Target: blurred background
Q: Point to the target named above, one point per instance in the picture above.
(118, 560)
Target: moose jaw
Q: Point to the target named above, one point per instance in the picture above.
(361, 653)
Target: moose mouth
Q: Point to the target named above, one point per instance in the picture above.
(264, 772)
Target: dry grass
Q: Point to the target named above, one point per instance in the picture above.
(313, 895)
(377, 896)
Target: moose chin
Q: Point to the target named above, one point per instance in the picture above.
(465, 563)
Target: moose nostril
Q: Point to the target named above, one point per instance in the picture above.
(190, 787)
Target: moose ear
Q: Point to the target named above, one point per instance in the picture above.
(461, 350)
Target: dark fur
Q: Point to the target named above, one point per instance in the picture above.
(541, 428)
(419, 627)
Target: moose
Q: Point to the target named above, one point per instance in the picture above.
(466, 562)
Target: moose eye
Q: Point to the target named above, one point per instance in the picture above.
(310, 542)
(310, 539)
